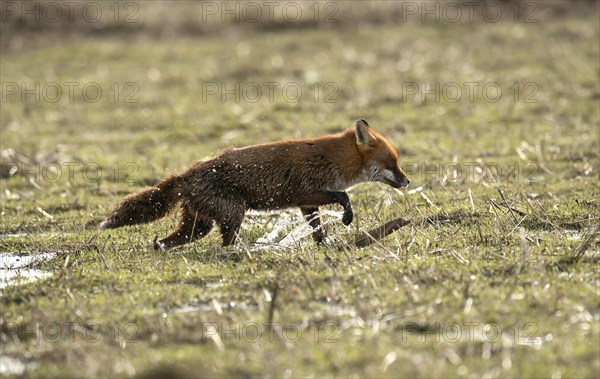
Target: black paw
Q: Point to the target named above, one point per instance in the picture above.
(318, 236)
(106, 225)
(347, 217)
(158, 246)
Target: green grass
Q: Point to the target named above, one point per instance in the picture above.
(383, 311)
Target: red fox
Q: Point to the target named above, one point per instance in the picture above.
(305, 173)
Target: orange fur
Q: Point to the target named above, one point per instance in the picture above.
(304, 173)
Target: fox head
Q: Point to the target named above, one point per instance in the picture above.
(379, 156)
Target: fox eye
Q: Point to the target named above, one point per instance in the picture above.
(392, 163)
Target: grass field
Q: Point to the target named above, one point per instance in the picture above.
(496, 276)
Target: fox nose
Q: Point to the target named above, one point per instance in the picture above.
(405, 182)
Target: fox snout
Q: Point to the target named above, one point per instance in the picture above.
(398, 178)
(399, 182)
(394, 178)
(403, 182)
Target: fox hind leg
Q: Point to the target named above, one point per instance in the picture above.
(192, 226)
(230, 229)
(230, 221)
(311, 215)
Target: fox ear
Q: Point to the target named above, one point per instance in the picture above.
(363, 135)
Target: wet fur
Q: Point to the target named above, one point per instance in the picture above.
(304, 173)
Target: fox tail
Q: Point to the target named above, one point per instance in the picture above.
(147, 204)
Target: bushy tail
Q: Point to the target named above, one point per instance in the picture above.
(146, 205)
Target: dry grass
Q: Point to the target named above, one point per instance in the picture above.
(503, 208)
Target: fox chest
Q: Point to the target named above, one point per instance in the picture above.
(339, 183)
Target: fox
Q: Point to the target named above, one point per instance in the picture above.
(305, 173)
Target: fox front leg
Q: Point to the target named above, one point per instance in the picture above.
(344, 201)
(316, 199)
(311, 215)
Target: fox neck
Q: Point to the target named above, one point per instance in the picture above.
(342, 183)
(349, 163)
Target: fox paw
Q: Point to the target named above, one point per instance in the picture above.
(105, 225)
(347, 217)
(318, 236)
(158, 245)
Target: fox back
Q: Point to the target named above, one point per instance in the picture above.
(305, 173)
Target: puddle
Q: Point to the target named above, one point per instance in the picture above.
(284, 221)
(304, 230)
(27, 234)
(296, 235)
(15, 270)
(301, 230)
(194, 308)
(339, 310)
(216, 284)
(568, 234)
(11, 366)
(573, 235)
(214, 306)
(593, 254)
(12, 235)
